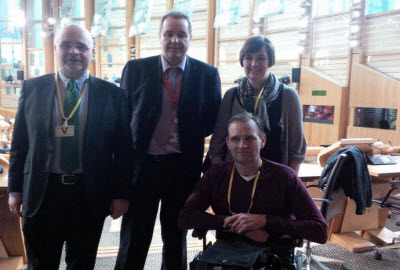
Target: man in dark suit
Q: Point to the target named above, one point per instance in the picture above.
(174, 101)
(70, 162)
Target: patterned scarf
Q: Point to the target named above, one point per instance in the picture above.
(248, 97)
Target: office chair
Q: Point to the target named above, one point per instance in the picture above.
(333, 204)
(393, 203)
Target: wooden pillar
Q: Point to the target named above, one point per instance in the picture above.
(170, 4)
(24, 44)
(56, 16)
(130, 41)
(89, 13)
(48, 41)
(310, 38)
(210, 39)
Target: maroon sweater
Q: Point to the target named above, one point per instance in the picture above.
(280, 195)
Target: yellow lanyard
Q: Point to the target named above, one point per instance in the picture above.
(60, 102)
(258, 98)
(252, 192)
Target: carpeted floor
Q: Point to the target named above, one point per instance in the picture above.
(109, 243)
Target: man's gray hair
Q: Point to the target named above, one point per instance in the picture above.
(176, 15)
(246, 117)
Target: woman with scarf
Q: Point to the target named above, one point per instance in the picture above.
(261, 94)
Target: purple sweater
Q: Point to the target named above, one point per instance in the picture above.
(280, 195)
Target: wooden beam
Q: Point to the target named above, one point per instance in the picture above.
(24, 46)
(170, 4)
(210, 39)
(89, 14)
(56, 17)
(48, 48)
(130, 41)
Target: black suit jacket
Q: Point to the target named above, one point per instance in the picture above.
(198, 105)
(107, 150)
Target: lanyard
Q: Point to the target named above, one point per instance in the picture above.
(257, 100)
(174, 99)
(60, 105)
(252, 192)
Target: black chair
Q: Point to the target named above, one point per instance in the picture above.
(333, 204)
(390, 201)
(393, 203)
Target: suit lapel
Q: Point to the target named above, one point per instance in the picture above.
(158, 80)
(96, 104)
(46, 99)
(186, 85)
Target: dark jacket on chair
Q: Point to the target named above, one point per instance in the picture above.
(353, 178)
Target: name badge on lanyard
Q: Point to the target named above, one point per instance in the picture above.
(64, 131)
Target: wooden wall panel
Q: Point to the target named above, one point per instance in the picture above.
(382, 135)
(371, 88)
(337, 95)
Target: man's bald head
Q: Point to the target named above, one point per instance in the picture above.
(74, 27)
(74, 50)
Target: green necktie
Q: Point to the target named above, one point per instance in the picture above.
(69, 154)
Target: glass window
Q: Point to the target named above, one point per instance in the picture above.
(325, 7)
(9, 34)
(9, 8)
(79, 9)
(382, 118)
(35, 39)
(11, 53)
(34, 9)
(79, 22)
(118, 3)
(376, 6)
(321, 114)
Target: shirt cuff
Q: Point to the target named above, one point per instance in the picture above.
(13, 194)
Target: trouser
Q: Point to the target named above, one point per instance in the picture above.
(168, 179)
(62, 217)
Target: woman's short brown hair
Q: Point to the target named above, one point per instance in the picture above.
(255, 44)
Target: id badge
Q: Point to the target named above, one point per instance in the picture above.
(64, 131)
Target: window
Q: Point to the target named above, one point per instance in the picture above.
(376, 6)
(326, 7)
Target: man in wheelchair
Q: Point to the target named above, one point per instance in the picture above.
(254, 200)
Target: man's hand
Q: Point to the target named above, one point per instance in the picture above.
(242, 223)
(118, 208)
(259, 236)
(14, 203)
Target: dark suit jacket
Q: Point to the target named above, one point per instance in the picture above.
(107, 150)
(198, 105)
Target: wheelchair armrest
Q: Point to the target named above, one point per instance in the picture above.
(199, 234)
(312, 186)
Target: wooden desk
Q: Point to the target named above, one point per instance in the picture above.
(10, 226)
(310, 171)
(384, 171)
(372, 223)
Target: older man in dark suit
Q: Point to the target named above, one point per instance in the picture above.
(70, 162)
(174, 101)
